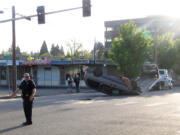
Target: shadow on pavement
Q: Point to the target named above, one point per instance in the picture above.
(11, 129)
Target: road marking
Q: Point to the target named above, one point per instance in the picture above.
(47, 100)
(126, 103)
(84, 102)
(100, 101)
(64, 102)
(155, 104)
(9, 100)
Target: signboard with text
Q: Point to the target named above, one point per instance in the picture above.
(81, 61)
(61, 62)
(36, 62)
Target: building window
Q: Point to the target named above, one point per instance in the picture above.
(109, 40)
(109, 28)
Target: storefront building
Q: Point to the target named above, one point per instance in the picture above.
(45, 73)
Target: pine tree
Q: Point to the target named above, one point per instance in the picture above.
(57, 50)
(44, 48)
(18, 51)
(62, 51)
(52, 52)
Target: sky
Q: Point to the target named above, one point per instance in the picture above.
(66, 26)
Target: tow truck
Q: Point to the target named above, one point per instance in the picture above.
(153, 78)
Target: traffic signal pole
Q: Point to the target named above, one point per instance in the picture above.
(86, 12)
(14, 69)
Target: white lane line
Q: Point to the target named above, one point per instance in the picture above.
(155, 104)
(100, 101)
(126, 103)
(9, 100)
(84, 102)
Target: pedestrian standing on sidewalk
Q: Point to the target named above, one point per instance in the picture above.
(70, 81)
(77, 81)
(28, 88)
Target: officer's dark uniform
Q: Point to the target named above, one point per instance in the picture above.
(27, 88)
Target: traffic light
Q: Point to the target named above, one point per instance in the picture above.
(86, 8)
(41, 14)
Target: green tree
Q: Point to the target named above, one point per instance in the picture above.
(35, 54)
(25, 53)
(18, 51)
(177, 57)
(57, 50)
(52, 51)
(62, 51)
(166, 51)
(129, 51)
(99, 50)
(85, 54)
(68, 55)
(46, 54)
(44, 48)
(9, 51)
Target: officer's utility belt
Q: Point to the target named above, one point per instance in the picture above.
(26, 95)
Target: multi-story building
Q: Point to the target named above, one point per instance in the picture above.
(155, 25)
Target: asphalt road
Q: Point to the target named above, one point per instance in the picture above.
(154, 113)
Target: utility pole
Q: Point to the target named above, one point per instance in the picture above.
(94, 51)
(155, 52)
(14, 69)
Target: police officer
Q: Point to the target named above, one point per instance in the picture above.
(28, 92)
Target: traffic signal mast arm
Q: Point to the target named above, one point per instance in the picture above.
(48, 13)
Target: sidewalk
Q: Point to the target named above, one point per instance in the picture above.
(4, 92)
